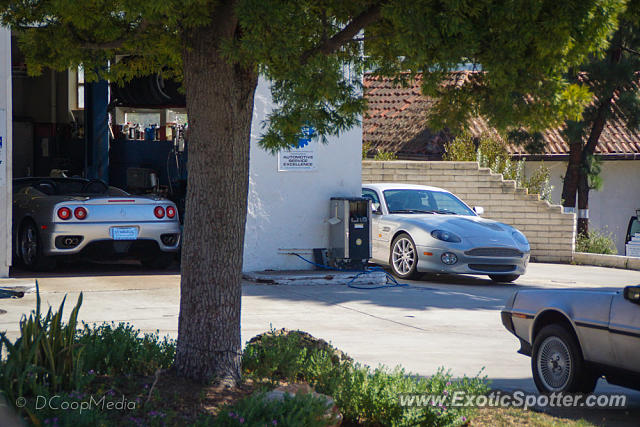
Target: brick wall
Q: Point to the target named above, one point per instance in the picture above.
(551, 233)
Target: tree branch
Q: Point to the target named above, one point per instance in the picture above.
(635, 52)
(345, 35)
(113, 44)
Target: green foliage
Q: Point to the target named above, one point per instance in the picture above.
(539, 182)
(363, 395)
(593, 168)
(385, 156)
(120, 349)
(533, 143)
(291, 411)
(612, 77)
(596, 242)
(379, 155)
(372, 397)
(366, 147)
(45, 358)
(52, 358)
(289, 356)
(460, 149)
(490, 152)
(313, 54)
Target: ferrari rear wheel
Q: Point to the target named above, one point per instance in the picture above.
(503, 278)
(404, 257)
(30, 249)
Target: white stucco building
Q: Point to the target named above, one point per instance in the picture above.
(288, 209)
(5, 151)
(609, 208)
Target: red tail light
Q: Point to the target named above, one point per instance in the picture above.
(80, 213)
(64, 213)
(159, 212)
(171, 212)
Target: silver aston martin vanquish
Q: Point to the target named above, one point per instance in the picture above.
(68, 216)
(418, 229)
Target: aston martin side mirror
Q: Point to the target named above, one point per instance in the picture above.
(632, 294)
(479, 210)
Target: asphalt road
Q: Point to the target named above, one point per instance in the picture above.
(440, 321)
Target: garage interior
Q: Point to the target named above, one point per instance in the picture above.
(132, 137)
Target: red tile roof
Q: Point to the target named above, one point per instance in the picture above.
(397, 122)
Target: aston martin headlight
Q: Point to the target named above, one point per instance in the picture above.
(445, 236)
(520, 238)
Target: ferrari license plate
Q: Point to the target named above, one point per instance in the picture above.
(124, 233)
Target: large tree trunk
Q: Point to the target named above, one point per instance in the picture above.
(219, 107)
(588, 150)
(576, 180)
(583, 204)
(571, 177)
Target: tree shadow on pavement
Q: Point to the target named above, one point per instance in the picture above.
(453, 292)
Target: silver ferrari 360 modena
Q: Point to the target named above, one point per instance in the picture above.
(576, 336)
(69, 216)
(420, 229)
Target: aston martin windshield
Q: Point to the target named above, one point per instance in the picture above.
(425, 201)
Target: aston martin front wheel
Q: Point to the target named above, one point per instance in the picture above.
(557, 364)
(404, 257)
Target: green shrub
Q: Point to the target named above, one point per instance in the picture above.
(292, 411)
(289, 356)
(460, 149)
(120, 349)
(51, 357)
(366, 147)
(372, 396)
(45, 358)
(492, 153)
(385, 156)
(363, 395)
(596, 242)
(379, 155)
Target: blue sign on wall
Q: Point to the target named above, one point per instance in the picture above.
(307, 134)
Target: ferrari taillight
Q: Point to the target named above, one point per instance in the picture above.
(80, 213)
(171, 212)
(159, 212)
(64, 213)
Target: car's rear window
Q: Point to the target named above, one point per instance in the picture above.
(69, 187)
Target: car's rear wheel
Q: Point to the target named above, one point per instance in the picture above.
(503, 278)
(557, 363)
(404, 257)
(30, 249)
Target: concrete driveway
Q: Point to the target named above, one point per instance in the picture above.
(451, 322)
